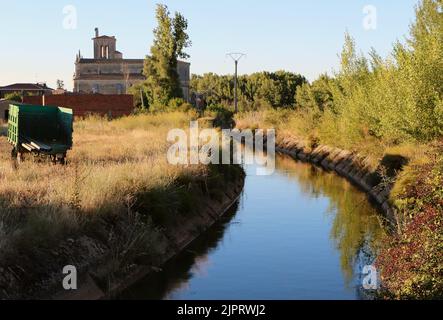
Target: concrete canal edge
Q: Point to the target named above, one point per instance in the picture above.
(179, 238)
(349, 165)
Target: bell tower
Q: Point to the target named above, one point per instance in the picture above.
(104, 46)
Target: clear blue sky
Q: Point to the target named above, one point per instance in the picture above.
(300, 36)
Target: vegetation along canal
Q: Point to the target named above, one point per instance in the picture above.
(300, 233)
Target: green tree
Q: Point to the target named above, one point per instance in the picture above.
(269, 89)
(421, 63)
(13, 96)
(317, 95)
(160, 69)
(60, 84)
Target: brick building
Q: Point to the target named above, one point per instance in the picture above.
(109, 73)
(87, 104)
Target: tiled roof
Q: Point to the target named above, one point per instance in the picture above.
(25, 87)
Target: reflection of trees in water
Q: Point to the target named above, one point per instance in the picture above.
(355, 227)
(355, 232)
(176, 274)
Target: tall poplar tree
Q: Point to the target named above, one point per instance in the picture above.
(160, 69)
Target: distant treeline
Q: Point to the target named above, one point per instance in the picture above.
(263, 89)
(393, 99)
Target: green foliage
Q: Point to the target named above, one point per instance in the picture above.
(178, 105)
(392, 100)
(377, 105)
(13, 96)
(60, 84)
(269, 89)
(223, 117)
(317, 97)
(141, 102)
(170, 40)
(174, 105)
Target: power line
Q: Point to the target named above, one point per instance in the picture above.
(236, 56)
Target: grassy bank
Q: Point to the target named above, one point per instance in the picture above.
(410, 261)
(118, 195)
(388, 108)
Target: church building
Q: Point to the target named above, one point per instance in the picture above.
(109, 73)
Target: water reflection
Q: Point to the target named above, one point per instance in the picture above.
(301, 233)
(176, 274)
(356, 228)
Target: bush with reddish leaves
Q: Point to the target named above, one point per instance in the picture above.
(411, 262)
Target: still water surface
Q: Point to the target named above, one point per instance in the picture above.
(300, 233)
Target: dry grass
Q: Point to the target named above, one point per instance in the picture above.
(110, 162)
(117, 192)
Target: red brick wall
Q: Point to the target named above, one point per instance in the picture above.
(84, 104)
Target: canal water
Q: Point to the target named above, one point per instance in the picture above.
(300, 233)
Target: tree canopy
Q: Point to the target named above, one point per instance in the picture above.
(393, 99)
(269, 89)
(160, 69)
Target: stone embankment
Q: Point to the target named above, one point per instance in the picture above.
(350, 165)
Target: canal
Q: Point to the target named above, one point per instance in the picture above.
(300, 233)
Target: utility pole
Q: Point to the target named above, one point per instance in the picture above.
(236, 57)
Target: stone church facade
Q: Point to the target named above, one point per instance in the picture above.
(109, 73)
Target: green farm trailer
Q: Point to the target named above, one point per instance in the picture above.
(40, 131)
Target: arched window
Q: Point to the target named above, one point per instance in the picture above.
(107, 52)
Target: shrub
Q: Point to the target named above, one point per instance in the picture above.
(223, 117)
(14, 96)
